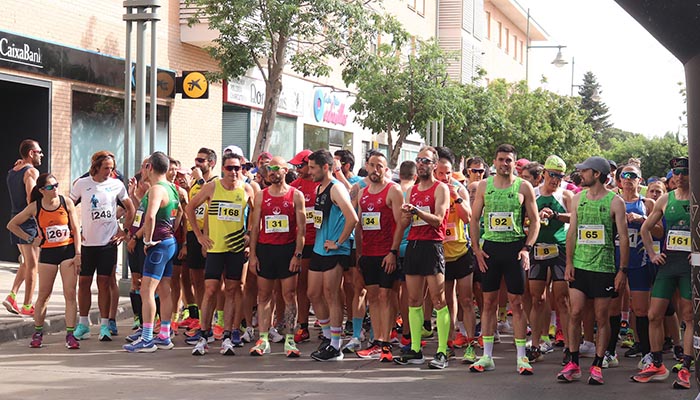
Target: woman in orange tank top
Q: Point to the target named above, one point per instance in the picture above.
(59, 239)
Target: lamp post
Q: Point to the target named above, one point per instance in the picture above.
(595, 96)
(558, 61)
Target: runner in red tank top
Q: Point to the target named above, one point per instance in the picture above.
(378, 242)
(276, 243)
(426, 213)
(307, 186)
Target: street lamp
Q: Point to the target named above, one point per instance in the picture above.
(558, 61)
(595, 96)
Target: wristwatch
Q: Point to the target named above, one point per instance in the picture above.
(298, 255)
(459, 200)
(624, 270)
(414, 211)
(200, 181)
(394, 252)
(527, 247)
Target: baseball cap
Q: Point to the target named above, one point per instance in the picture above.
(613, 164)
(265, 154)
(234, 149)
(679, 162)
(522, 162)
(555, 163)
(595, 163)
(459, 176)
(301, 157)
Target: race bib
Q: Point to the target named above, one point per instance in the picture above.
(633, 237)
(591, 234)
(309, 212)
(417, 221)
(546, 251)
(276, 223)
(57, 233)
(318, 219)
(500, 221)
(200, 211)
(230, 212)
(371, 221)
(137, 219)
(451, 232)
(678, 240)
(98, 214)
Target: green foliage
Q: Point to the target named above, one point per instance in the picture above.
(402, 94)
(597, 111)
(654, 153)
(538, 123)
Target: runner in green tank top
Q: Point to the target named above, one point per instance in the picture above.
(674, 272)
(505, 253)
(590, 262)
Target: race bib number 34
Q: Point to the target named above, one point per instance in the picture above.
(276, 223)
(370, 221)
(500, 221)
(678, 240)
(230, 212)
(591, 234)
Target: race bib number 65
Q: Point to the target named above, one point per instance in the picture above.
(591, 234)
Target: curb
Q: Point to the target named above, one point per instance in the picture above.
(55, 323)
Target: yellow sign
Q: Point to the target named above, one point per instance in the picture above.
(194, 85)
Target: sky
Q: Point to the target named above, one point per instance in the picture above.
(638, 76)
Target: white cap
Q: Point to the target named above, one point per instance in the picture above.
(234, 149)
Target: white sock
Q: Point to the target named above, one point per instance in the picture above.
(104, 321)
(553, 319)
(84, 320)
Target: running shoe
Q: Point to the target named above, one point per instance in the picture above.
(610, 360)
(189, 323)
(523, 366)
(438, 362)
(477, 330)
(218, 332)
(546, 347)
(328, 353)
(567, 357)
(496, 337)
(485, 363)
(82, 332)
(113, 327)
(504, 327)
(451, 350)
(27, 311)
(136, 324)
(347, 331)
(646, 360)
(371, 353)
(628, 340)
(425, 334)
(596, 377)
(386, 356)
(227, 348)
(37, 338)
(201, 348)
(559, 338)
(668, 345)
(552, 332)
(325, 342)
(105, 334)
(134, 336)
(570, 372)
(587, 349)
(634, 351)
(469, 355)
(192, 331)
(140, 346)
(678, 353)
(624, 326)
(261, 347)
(353, 346)
(275, 336)
(460, 341)
(683, 379)
(534, 354)
(174, 326)
(248, 336)
(11, 305)
(236, 339)
(163, 344)
(677, 367)
(410, 357)
(194, 340)
(291, 350)
(393, 336)
(71, 342)
(302, 335)
(651, 373)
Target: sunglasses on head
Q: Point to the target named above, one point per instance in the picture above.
(423, 160)
(232, 167)
(477, 170)
(680, 171)
(555, 175)
(629, 175)
(51, 187)
(273, 168)
(200, 160)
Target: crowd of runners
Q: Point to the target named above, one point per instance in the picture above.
(583, 258)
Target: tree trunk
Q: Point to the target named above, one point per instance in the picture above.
(273, 90)
(396, 151)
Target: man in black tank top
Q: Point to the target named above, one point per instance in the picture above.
(20, 182)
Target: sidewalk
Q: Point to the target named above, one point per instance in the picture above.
(14, 327)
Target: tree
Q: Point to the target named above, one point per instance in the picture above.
(401, 95)
(271, 35)
(597, 110)
(654, 153)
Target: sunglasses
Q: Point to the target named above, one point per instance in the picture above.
(232, 168)
(200, 160)
(680, 171)
(477, 170)
(38, 151)
(273, 168)
(51, 187)
(555, 175)
(423, 160)
(629, 175)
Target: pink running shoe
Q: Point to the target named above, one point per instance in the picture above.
(570, 373)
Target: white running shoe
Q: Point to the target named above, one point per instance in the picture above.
(249, 335)
(275, 336)
(587, 349)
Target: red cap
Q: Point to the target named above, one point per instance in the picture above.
(522, 162)
(301, 157)
(265, 154)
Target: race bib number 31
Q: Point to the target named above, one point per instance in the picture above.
(276, 223)
(230, 212)
(500, 221)
(591, 234)
(678, 240)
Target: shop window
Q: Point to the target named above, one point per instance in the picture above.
(316, 137)
(283, 139)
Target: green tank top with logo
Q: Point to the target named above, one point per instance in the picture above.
(677, 224)
(552, 230)
(595, 243)
(503, 213)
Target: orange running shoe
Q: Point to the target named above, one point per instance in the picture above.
(683, 380)
(385, 356)
(651, 373)
(460, 340)
(218, 332)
